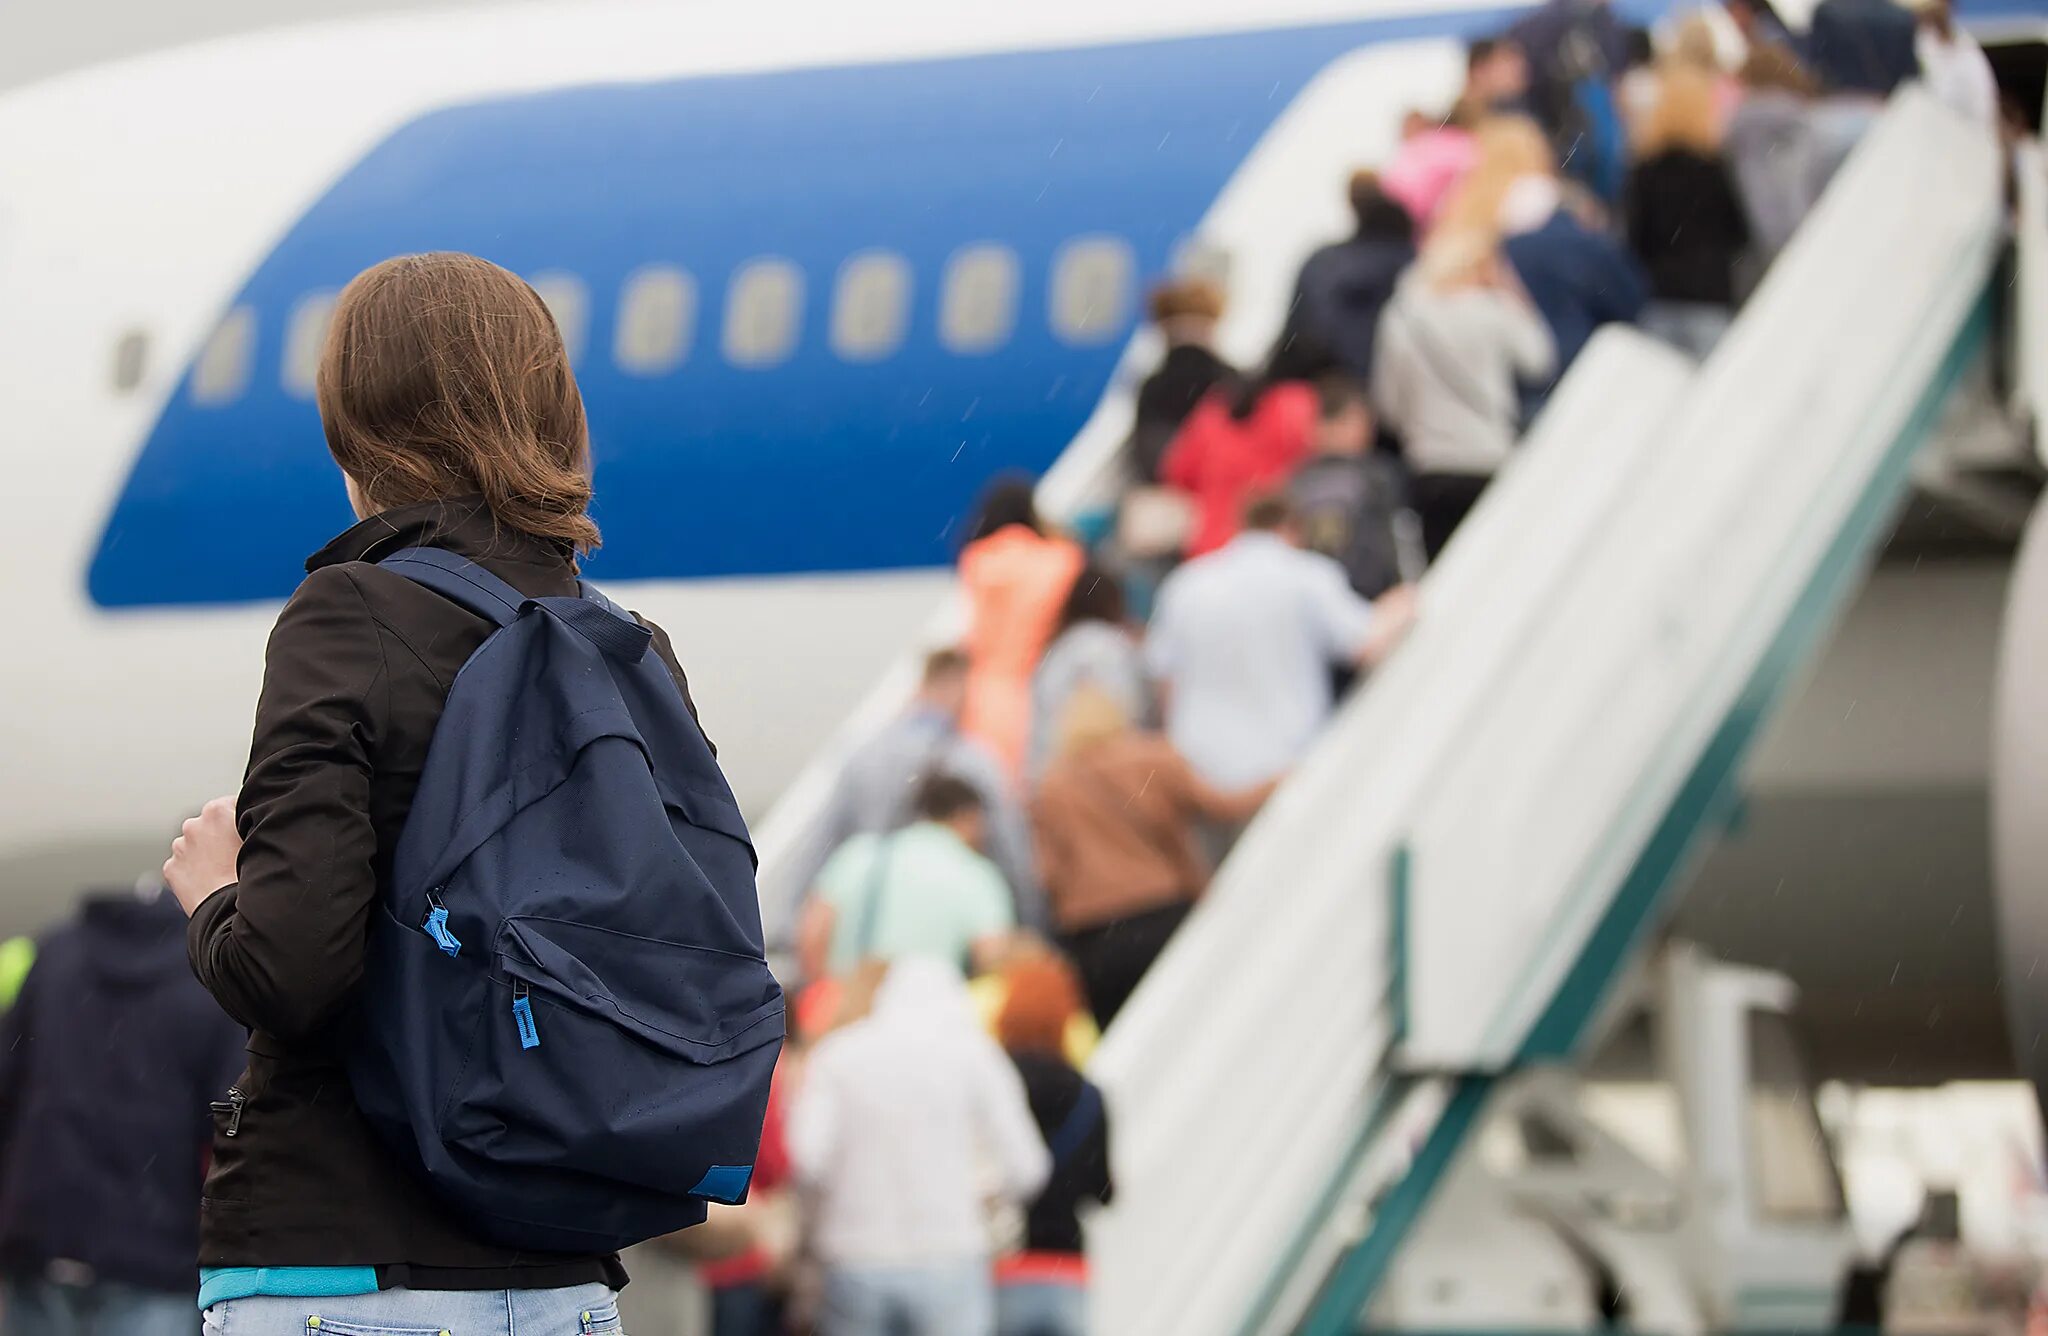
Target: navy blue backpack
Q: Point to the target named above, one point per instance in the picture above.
(567, 1025)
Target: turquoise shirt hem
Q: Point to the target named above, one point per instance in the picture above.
(220, 1284)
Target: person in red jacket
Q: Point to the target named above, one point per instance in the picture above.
(1236, 443)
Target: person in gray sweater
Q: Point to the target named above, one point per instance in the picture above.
(1455, 342)
(1772, 150)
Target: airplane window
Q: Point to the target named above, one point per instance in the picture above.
(657, 315)
(131, 360)
(305, 333)
(763, 313)
(978, 298)
(569, 303)
(871, 307)
(1091, 289)
(222, 372)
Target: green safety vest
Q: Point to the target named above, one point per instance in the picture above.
(17, 954)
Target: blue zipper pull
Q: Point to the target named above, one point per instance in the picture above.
(522, 1016)
(436, 925)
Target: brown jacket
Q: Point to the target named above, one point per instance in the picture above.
(1115, 827)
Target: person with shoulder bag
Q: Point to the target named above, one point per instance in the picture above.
(484, 901)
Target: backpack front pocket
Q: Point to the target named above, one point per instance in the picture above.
(636, 1060)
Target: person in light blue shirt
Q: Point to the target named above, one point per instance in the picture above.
(925, 890)
(1243, 642)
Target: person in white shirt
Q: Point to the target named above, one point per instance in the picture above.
(1244, 642)
(1952, 64)
(902, 1117)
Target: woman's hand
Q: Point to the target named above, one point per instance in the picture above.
(203, 858)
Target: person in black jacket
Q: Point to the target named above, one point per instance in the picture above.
(447, 400)
(1685, 219)
(1342, 289)
(1186, 311)
(107, 1062)
(1041, 1290)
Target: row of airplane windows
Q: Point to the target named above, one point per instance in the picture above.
(1089, 301)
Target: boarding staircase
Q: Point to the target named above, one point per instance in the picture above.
(1446, 889)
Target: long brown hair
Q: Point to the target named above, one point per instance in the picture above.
(444, 375)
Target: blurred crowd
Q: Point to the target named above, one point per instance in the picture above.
(1020, 845)
(1011, 854)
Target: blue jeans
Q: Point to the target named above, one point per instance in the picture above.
(103, 1308)
(943, 1299)
(1041, 1308)
(578, 1310)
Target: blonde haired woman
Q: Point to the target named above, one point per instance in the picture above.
(1513, 181)
(1456, 343)
(1578, 277)
(1117, 848)
(1684, 217)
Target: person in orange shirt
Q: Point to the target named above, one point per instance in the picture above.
(1237, 442)
(1016, 576)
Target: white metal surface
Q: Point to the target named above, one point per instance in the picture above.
(1246, 1063)
(1587, 632)
(1579, 749)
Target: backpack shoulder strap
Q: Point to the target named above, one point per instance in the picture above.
(1076, 1127)
(459, 580)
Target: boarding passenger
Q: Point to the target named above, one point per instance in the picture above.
(1577, 52)
(1337, 298)
(1771, 150)
(1116, 820)
(1042, 1290)
(901, 1115)
(1953, 66)
(877, 788)
(1496, 80)
(1862, 47)
(1015, 573)
(107, 1064)
(1185, 311)
(1243, 642)
(1235, 444)
(1096, 646)
(1579, 277)
(1347, 496)
(449, 403)
(924, 890)
(1859, 50)
(1685, 220)
(1459, 338)
(1636, 90)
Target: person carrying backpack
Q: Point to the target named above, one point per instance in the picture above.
(495, 937)
(1347, 496)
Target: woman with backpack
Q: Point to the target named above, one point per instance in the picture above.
(448, 403)
(1042, 1289)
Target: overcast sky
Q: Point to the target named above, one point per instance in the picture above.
(44, 37)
